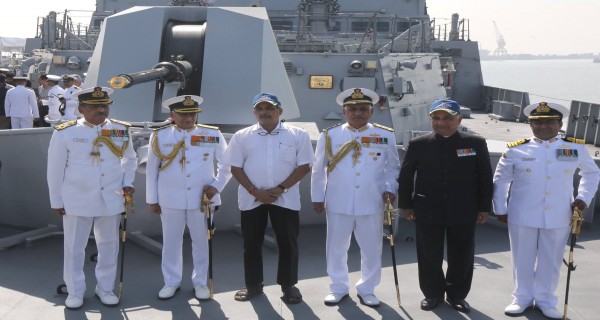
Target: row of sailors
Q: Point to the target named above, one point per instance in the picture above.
(60, 98)
(26, 107)
(354, 169)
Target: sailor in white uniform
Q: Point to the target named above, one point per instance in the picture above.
(355, 170)
(91, 167)
(20, 105)
(180, 168)
(54, 95)
(70, 103)
(539, 211)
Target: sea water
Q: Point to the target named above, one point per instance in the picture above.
(557, 80)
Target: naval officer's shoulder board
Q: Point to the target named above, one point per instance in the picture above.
(65, 125)
(127, 124)
(199, 125)
(517, 143)
(164, 127)
(333, 126)
(383, 127)
(574, 140)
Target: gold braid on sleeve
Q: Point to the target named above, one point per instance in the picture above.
(171, 156)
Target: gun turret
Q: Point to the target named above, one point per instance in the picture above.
(164, 71)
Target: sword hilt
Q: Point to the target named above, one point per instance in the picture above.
(388, 214)
(576, 221)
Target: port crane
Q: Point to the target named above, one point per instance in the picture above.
(501, 50)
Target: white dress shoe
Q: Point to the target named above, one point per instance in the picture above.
(551, 313)
(107, 298)
(334, 298)
(369, 300)
(73, 302)
(202, 292)
(167, 292)
(514, 309)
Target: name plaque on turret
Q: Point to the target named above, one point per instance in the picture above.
(321, 82)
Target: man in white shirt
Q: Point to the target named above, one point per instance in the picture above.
(268, 159)
(180, 169)
(91, 167)
(355, 172)
(42, 99)
(20, 105)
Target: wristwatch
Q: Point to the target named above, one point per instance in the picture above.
(284, 189)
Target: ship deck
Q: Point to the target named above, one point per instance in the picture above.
(30, 274)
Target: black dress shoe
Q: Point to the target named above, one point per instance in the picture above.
(459, 304)
(429, 303)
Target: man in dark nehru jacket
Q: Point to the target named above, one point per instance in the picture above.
(539, 174)
(452, 192)
(91, 167)
(180, 169)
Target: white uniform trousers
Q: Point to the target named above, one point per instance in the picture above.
(536, 280)
(368, 232)
(21, 122)
(77, 232)
(173, 225)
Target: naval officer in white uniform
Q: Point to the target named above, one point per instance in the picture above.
(91, 166)
(180, 168)
(355, 170)
(67, 98)
(54, 94)
(20, 105)
(539, 211)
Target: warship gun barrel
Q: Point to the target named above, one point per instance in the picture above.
(164, 71)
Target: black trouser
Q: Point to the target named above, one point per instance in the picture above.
(430, 255)
(43, 110)
(285, 223)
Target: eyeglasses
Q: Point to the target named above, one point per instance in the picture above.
(265, 133)
(265, 108)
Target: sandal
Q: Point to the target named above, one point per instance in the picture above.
(246, 294)
(291, 294)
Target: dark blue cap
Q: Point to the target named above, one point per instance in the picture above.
(266, 97)
(450, 106)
